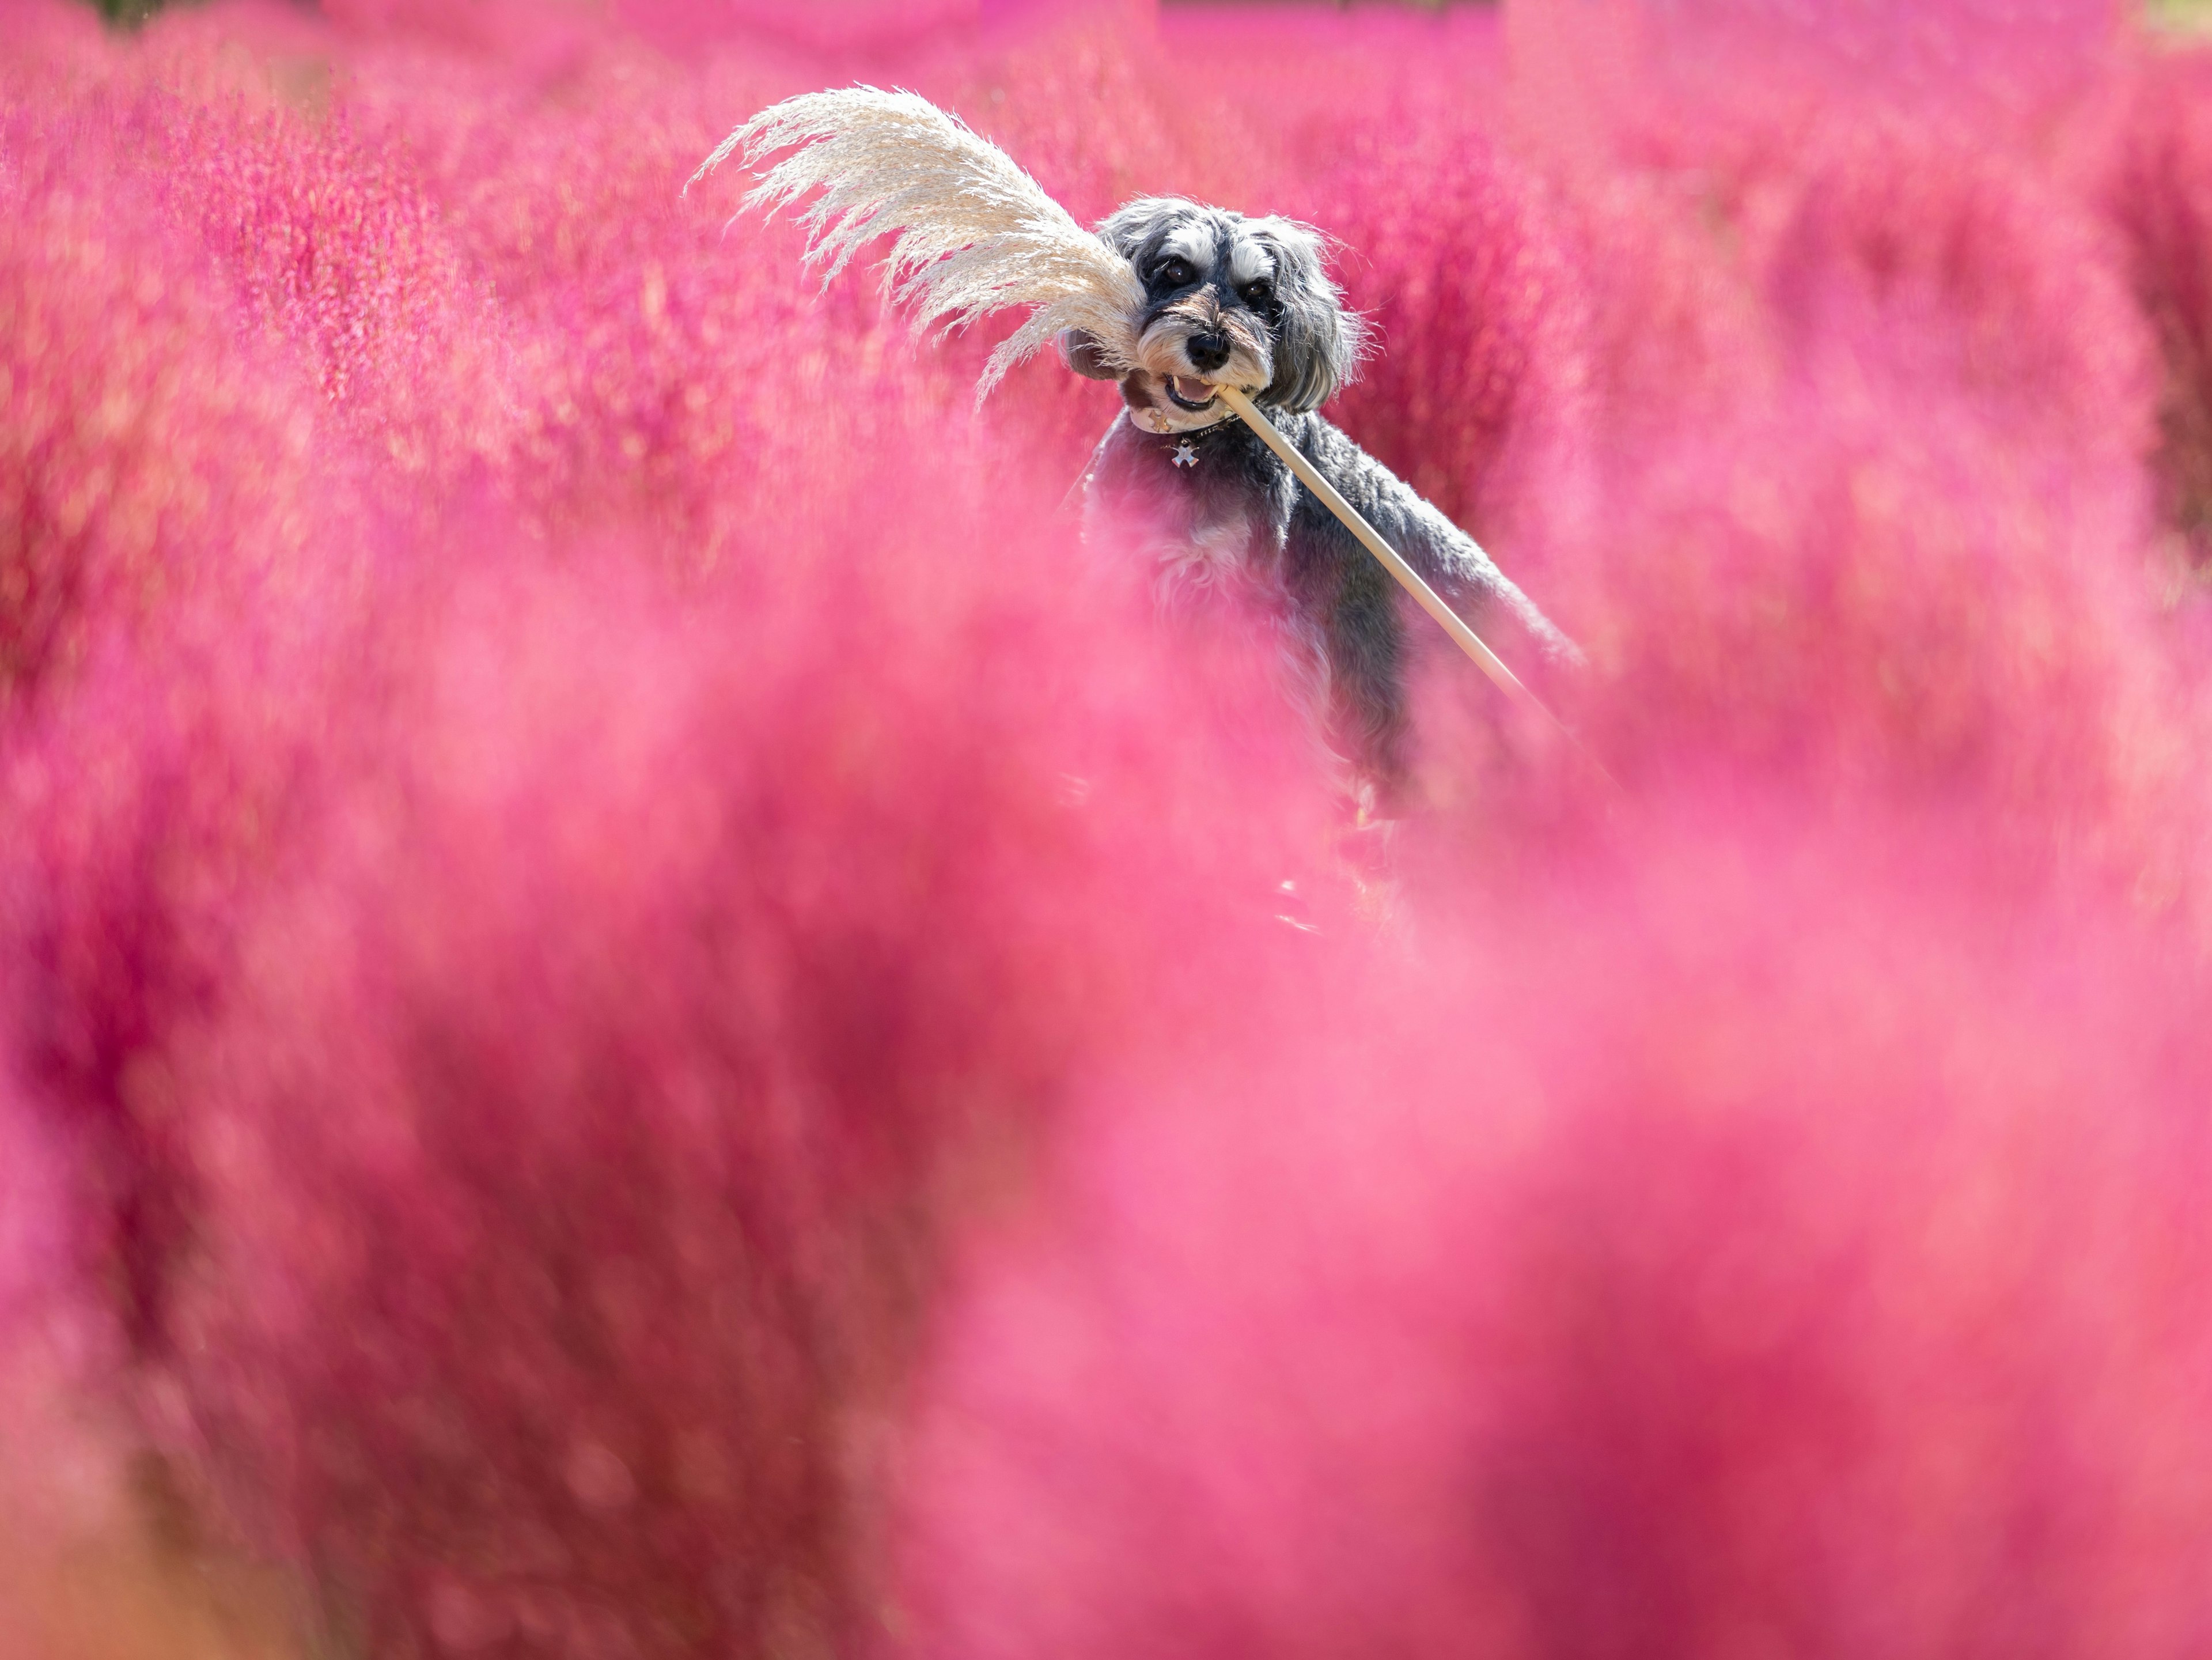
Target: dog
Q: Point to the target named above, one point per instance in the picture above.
(1232, 300)
(1172, 300)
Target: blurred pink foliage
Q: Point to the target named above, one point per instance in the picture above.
(642, 1015)
(1812, 1268)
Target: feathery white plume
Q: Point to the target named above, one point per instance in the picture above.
(974, 231)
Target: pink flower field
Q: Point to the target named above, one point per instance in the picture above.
(643, 1014)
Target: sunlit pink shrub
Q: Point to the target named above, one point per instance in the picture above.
(336, 251)
(1865, 501)
(1825, 586)
(1477, 388)
(71, 1583)
(124, 490)
(1776, 1243)
(169, 521)
(2000, 62)
(2159, 201)
(570, 1139)
(139, 814)
(181, 543)
(48, 1325)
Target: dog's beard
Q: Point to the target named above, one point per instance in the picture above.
(1167, 393)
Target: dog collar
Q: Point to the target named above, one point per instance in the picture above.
(1187, 443)
(1140, 419)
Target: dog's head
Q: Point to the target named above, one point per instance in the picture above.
(1228, 300)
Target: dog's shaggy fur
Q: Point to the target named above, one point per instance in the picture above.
(1233, 301)
(1171, 299)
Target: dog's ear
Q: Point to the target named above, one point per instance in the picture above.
(1318, 342)
(1081, 351)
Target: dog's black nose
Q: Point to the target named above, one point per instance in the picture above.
(1208, 352)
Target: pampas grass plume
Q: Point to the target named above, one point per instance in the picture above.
(974, 233)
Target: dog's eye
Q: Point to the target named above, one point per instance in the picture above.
(1259, 293)
(1175, 273)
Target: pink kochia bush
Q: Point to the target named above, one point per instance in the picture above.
(571, 1147)
(650, 1018)
(121, 467)
(2161, 203)
(1814, 1269)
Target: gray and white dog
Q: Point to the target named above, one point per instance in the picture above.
(1246, 302)
(1172, 300)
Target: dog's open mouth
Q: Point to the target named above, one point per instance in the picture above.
(1186, 393)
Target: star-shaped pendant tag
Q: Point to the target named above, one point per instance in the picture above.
(1185, 456)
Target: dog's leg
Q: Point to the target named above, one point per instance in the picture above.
(1367, 675)
(1349, 604)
